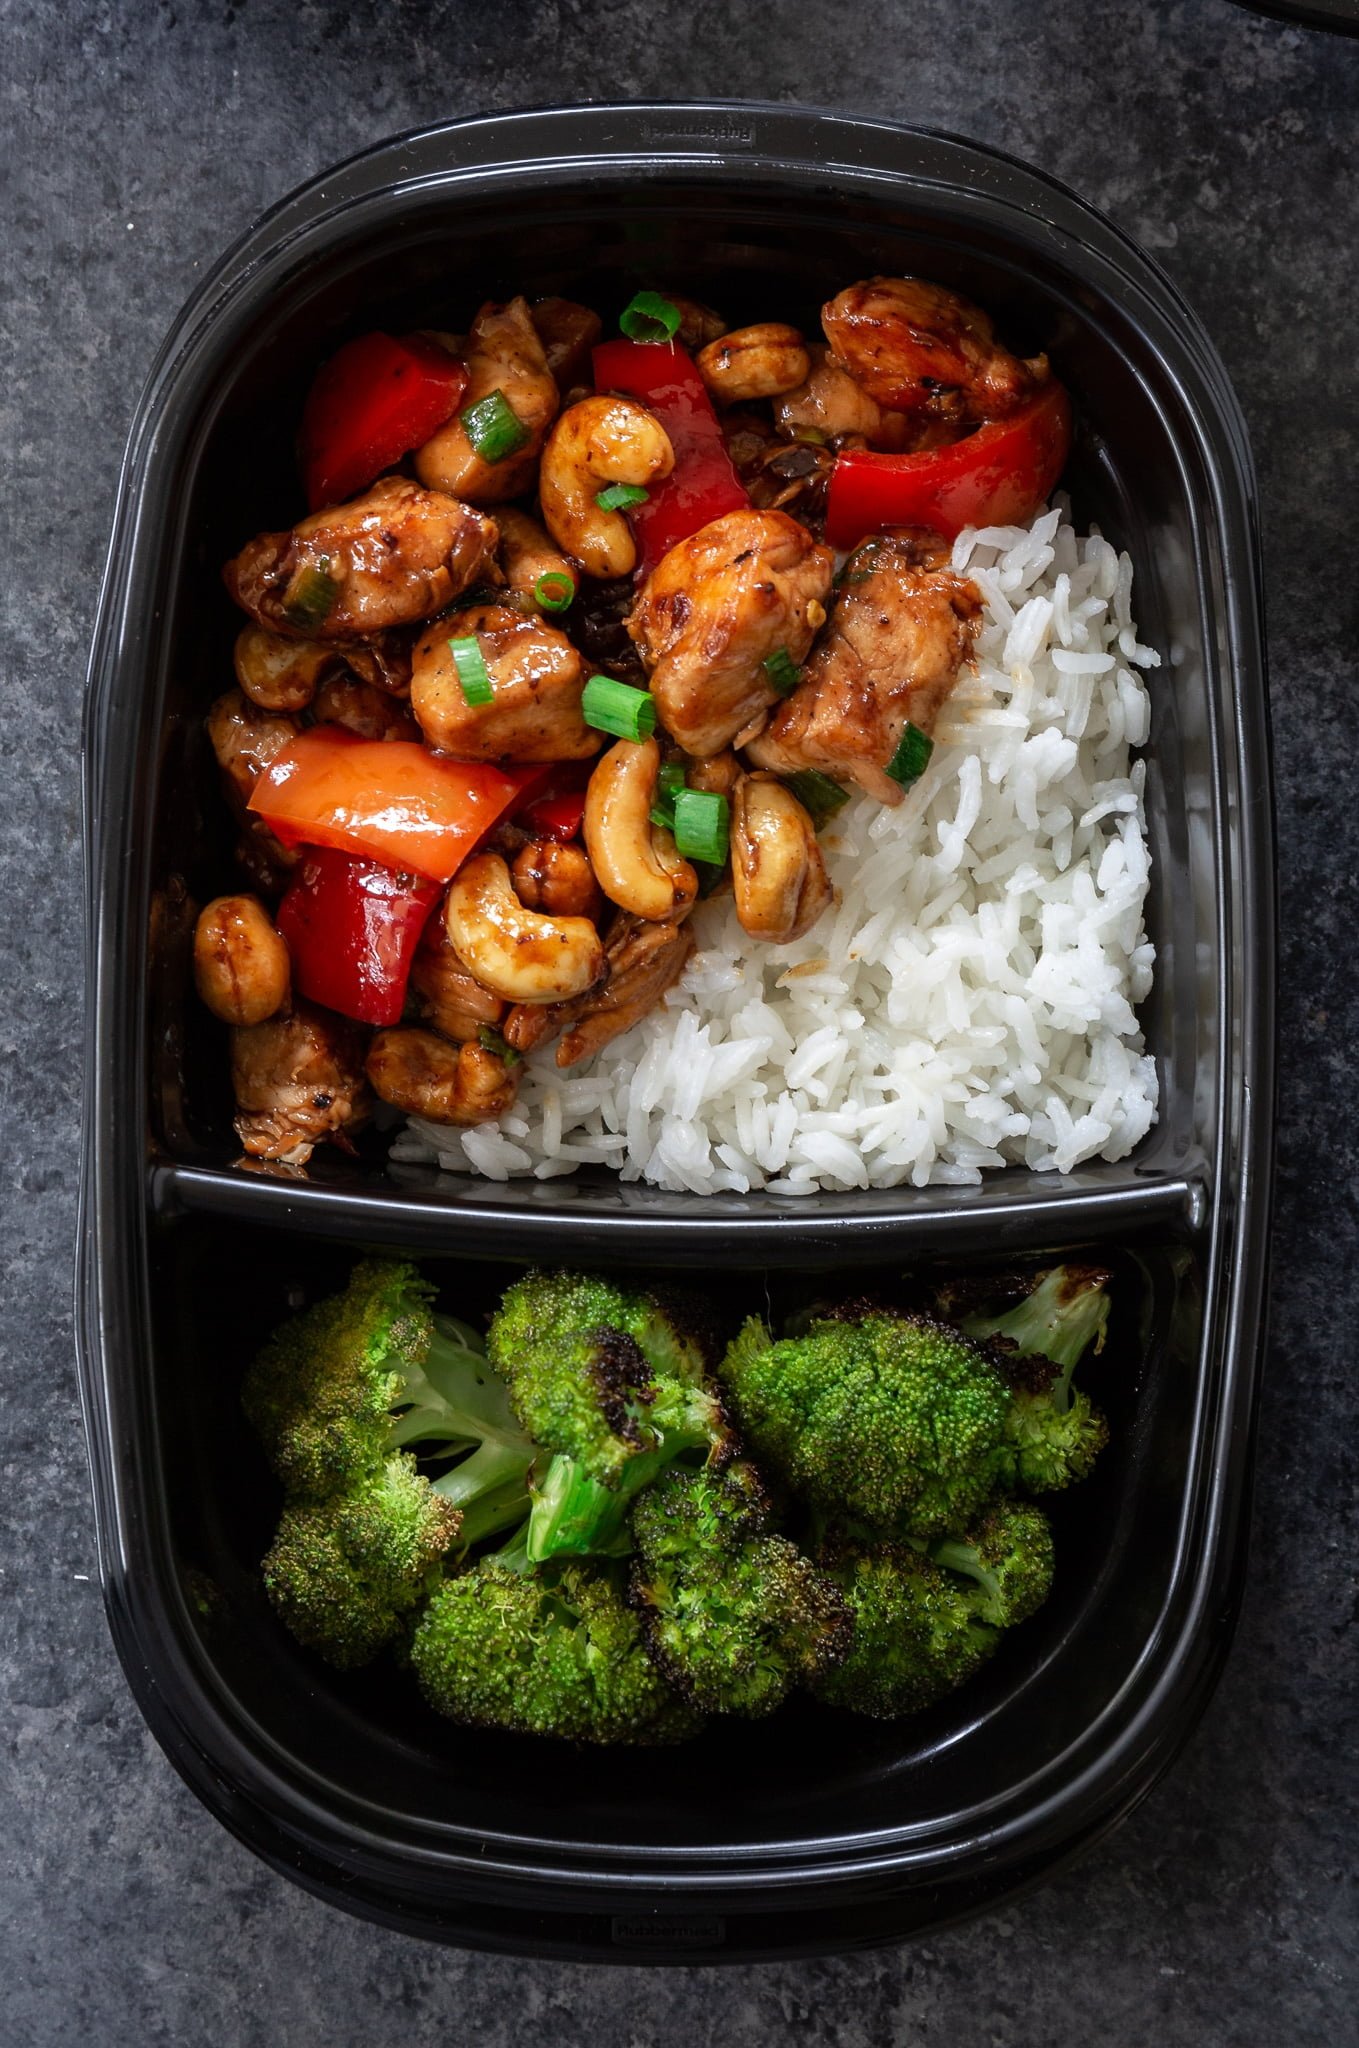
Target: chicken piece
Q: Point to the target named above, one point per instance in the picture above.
(278, 674)
(832, 404)
(503, 353)
(245, 740)
(536, 679)
(371, 713)
(527, 553)
(920, 348)
(899, 633)
(394, 556)
(422, 1074)
(383, 661)
(298, 1080)
(743, 588)
(644, 961)
(699, 324)
(446, 994)
(568, 332)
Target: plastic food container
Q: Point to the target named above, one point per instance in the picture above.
(814, 1831)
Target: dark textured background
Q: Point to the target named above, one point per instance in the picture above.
(139, 140)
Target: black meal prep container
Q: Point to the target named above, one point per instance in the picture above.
(812, 1832)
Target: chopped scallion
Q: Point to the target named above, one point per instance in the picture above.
(650, 317)
(702, 825)
(493, 427)
(913, 751)
(611, 706)
(819, 796)
(311, 595)
(669, 783)
(554, 590)
(472, 675)
(783, 672)
(491, 1039)
(618, 497)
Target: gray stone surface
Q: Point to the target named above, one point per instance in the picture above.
(139, 139)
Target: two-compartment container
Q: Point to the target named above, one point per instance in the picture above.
(815, 1830)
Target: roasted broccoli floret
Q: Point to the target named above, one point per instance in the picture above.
(1053, 1431)
(339, 1394)
(897, 1419)
(610, 1381)
(545, 1650)
(927, 1616)
(372, 1370)
(734, 1616)
(342, 1573)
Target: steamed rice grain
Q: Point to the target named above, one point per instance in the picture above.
(970, 1000)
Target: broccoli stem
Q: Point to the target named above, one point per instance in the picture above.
(965, 1558)
(457, 1397)
(1066, 1311)
(454, 1400)
(573, 1515)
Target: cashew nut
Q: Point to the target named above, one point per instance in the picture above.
(599, 442)
(762, 361)
(279, 674)
(240, 964)
(423, 1074)
(635, 862)
(527, 555)
(514, 952)
(555, 878)
(777, 871)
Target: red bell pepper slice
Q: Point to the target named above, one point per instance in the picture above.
(351, 928)
(998, 476)
(375, 400)
(559, 811)
(392, 800)
(703, 485)
(557, 817)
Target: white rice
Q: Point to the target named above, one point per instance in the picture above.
(969, 1000)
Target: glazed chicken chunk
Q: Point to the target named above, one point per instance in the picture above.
(393, 557)
(917, 347)
(644, 961)
(536, 679)
(742, 590)
(503, 353)
(298, 1079)
(898, 635)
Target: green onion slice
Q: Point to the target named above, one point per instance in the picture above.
(909, 761)
(554, 590)
(476, 683)
(819, 796)
(311, 595)
(650, 317)
(669, 783)
(615, 707)
(493, 427)
(618, 497)
(491, 1039)
(783, 672)
(702, 825)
